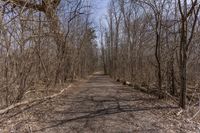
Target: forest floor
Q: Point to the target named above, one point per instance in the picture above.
(99, 105)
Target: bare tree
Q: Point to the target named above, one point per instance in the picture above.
(44, 43)
(185, 43)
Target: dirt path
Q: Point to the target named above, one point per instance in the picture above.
(101, 105)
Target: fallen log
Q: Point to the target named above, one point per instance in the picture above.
(2, 111)
(142, 89)
(127, 83)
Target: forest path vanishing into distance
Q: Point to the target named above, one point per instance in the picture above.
(101, 105)
(49, 48)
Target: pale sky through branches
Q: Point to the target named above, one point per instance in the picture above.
(100, 9)
(99, 12)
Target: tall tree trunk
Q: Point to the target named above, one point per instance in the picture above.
(183, 56)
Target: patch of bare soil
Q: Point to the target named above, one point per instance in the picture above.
(99, 105)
